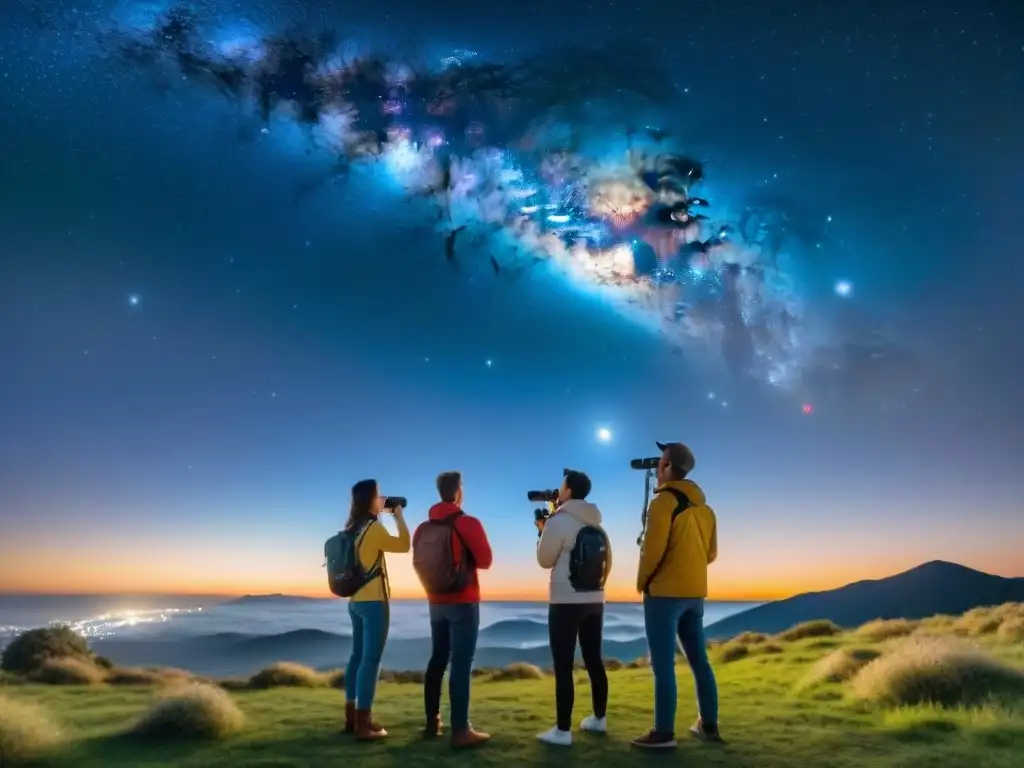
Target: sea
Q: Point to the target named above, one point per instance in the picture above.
(235, 636)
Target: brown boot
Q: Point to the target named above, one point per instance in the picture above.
(469, 738)
(350, 717)
(366, 729)
(433, 728)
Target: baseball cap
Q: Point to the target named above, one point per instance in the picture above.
(680, 456)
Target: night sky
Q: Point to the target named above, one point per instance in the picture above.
(195, 365)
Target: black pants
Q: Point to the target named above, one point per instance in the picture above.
(568, 622)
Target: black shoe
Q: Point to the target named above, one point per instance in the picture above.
(708, 735)
(655, 739)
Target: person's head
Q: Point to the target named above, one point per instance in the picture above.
(676, 462)
(575, 485)
(366, 502)
(449, 487)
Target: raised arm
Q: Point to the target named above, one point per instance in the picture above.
(550, 544)
(379, 537)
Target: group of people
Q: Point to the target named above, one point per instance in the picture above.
(451, 546)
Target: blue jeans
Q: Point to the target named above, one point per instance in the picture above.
(665, 620)
(370, 622)
(453, 633)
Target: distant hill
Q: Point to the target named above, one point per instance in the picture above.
(929, 589)
(271, 599)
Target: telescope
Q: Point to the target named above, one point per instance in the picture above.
(650, 467)
(651, 463)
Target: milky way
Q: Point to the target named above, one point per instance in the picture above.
(521, 175)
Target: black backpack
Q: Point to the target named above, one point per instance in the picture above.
(345, 572)
(588, 560)
(433, 557)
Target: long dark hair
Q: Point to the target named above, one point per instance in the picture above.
(364, 495)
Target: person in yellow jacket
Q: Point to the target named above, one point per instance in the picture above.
(680, 541)
(369, 608)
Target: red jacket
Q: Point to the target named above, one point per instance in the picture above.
(472, 532)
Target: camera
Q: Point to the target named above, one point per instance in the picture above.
(542, 496)
(395, 501)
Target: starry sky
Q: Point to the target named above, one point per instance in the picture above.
(196, 367)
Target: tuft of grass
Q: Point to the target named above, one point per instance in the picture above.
(26, 732)
(191, 711)
(816, 628)
(732, 651)
(404, 676)
(69, 671)
(941, 671)
(141, 676)
(30, 650)
(839, 666)
(518, 671)
(1011, 630)
(286, 674)
(885, 629)
(750, 638)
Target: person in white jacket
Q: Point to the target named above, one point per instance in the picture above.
(576, 609)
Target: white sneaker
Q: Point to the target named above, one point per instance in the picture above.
(593, 724)
(556, 737)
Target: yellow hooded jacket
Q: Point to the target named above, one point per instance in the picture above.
(676, 553)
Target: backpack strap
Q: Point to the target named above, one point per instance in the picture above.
(450, 521)
(374, 570)
(682, 504)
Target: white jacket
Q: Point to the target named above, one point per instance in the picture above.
(555, 546)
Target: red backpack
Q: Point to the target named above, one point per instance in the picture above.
(433, 557)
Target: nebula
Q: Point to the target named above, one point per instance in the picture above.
(511, 153)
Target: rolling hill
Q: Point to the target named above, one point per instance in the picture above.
(933, 588)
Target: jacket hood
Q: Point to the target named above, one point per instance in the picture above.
(690, 488)
(442, 509)
(584, 511)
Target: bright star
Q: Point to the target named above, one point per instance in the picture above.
(488, 363)
(134, 299)
(604, 435)
(843, 288)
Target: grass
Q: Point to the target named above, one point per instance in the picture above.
(771, 714)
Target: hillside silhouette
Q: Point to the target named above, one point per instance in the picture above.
(933, 588)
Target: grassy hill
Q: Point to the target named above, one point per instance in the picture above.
(946, 691)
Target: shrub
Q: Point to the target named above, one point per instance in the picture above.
(286, 674)
(1011, 630)
(750, 638)
(102, 662)
(639, 663)
(335, 678)
(27, 652)
(518, 671)
(885, 629)
(26, 733)
(839, 666)
(770, 648)
(816, 628)
(69, 671)
(732, 652)
(404, 676)
(613, 665)
(940, 671)
(191, 711)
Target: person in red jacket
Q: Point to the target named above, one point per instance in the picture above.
(454, 613)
